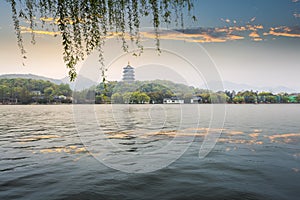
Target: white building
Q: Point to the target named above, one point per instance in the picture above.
(173, 101)
(196, 100)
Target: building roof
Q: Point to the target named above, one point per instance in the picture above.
(128, 67)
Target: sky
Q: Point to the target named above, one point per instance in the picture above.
(255, 42)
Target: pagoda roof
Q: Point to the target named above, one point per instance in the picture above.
(128, 67)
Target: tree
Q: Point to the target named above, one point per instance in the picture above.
(127, 97)
(25, 96)
(285, 99)
(99, 99)
(48, 92)
(4, 91)
(27, 91)
(143, 98)
(271, 99)
(219, 97)
(83, 25)
(205, 97)
(63, 89)
(238, 99)
(265, 94)
(298, 98)
(117, 98)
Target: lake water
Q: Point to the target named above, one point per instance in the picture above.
(58, 152)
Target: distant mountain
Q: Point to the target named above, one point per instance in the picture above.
(279, 89)
(80, 83)
(240, 87)
(31, 76)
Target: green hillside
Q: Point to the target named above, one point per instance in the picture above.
(27, 91)
(137, 92)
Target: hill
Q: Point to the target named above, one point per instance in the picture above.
(30, 76)
(81, 82)
(28, 91)
(243, 87)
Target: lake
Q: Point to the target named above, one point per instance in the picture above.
(150, 152)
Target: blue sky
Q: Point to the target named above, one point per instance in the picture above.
(251, 41)
(267, 12)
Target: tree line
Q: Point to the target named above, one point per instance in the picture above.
(261, 97)
(31, 91)
(28, 91)
(156, 91)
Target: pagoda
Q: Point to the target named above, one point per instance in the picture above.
(128, 74)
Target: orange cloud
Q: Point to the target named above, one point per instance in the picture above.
(259, 26)
(220, 30)
(200, 35)
(238, 28)
(257, 39)
(48, 19)
(56, 20)
(285, 34)
(254, 34)
(29, 30)
(235, 37)
(284, 31)
(254, 27)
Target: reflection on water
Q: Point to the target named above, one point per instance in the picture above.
(35, 138)
(256, 157)
(69, 149)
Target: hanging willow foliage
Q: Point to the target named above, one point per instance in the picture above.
(84, 24)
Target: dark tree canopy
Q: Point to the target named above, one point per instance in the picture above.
(84, 24)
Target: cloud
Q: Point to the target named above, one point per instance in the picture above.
(254, 27)
(295, 1)
(201, 35)
(226, 33)
(56, 20)
(296, 15)
(41, 32)
(252, 19)
(283, 34)
(254, 34)
(204, 35)
(284, 31)
(191, 35)
(238, 28)
(235, 37)
(221, 30)
(257, 39)
(48, 19)
(212, 35)
(225, 20)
